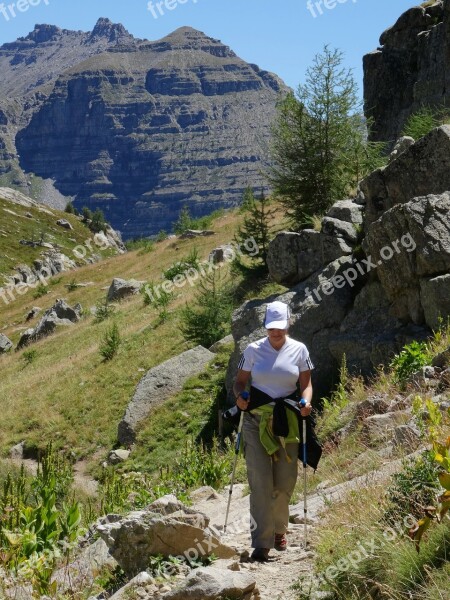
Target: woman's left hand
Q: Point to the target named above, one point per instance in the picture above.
(306, 410)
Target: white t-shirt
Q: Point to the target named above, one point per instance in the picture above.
(276, 372)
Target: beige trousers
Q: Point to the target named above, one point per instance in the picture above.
(272, 481)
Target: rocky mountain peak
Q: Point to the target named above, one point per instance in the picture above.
(43, 33)
(105, 28)
(188, 38)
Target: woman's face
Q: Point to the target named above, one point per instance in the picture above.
(277, 336)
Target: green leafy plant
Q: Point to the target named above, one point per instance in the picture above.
(111, 342)
(29, 356)
(103, 310)
(40, 291)
(162, 235)
(179, 268)
(413, 357)
(208, 320)
(72, 285)
(424, 120)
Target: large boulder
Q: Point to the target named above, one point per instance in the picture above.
(410, 242)
(293, 257)
(60, 314)
(158, 385)
(211, 583)
(133, 538)
(423, 169)
(346, 210)
(120, 288)
(5, 344)
(435, 299)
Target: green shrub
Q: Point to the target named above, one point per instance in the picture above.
(413, 489)
(413, 357)
(29, 356)
(103, 310)
(191, 261)
(162, 235)
(111, 343)
(330, 419)
(144, 245)
(425, 120)
(40, 291)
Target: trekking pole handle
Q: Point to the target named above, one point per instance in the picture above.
(302, 402)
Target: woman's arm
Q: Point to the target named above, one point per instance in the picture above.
(240, 383)
(306, 392)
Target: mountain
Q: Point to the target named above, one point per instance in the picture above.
(410, 69)
(133, 127)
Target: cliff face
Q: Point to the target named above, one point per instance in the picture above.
(410, 69)
(141, 128)
(29, 68)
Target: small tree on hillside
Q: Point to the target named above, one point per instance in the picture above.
(320, 149)
(256, 224)
(184, 221)
(209, 320)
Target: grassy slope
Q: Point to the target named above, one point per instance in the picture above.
(15, 226)
(68, 393)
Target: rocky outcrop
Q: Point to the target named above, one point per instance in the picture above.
(158, 385)
(120, 288)
(143, 128)
(367, 296)
(424, 168)
(410, 69)
(60, 314)
(210, 583)
(5, 344)
(132, 539)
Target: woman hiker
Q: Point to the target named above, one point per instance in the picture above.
(275, 364)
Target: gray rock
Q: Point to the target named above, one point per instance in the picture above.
(33, 313)
(407, 437)
(293, 257)
(64, 223)
(435, 299)
(377, 428)
(193, 233)
(346, 210)
(16, 452)
(120, 288)
(401, 146)
(210, 583)
(60, 314)
(442, 359)
(81, 572)
(128, 590)
(409, 242)
(132, 539)
(158, 385)
(408, 71)
(118, 456)
(335, 227)
(423, 169)
(5, 344)
(221, 343)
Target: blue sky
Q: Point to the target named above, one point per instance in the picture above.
(279, 35)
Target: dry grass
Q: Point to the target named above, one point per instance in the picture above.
(68, 393)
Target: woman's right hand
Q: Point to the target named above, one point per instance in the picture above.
(241, 403)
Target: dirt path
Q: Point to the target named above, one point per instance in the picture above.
(275, 578)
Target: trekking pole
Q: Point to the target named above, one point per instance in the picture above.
(305, 507)
(244, 395)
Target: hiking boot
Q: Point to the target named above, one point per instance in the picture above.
(260, 554)
(280, 542)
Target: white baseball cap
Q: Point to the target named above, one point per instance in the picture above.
(277, 316)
